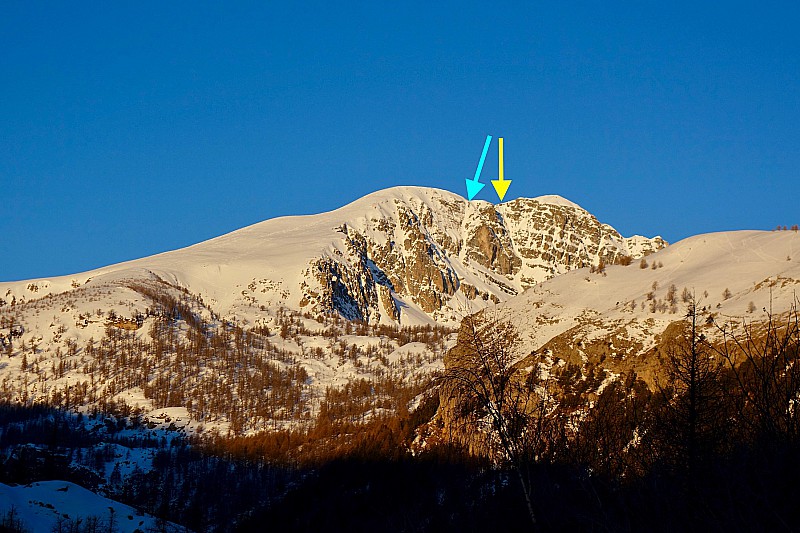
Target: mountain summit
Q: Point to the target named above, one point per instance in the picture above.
(407, 255)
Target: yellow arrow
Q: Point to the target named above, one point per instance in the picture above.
(500, 185)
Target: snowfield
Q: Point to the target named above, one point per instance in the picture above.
(41, 505)
(734, 275)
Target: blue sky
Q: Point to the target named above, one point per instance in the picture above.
(135, 128)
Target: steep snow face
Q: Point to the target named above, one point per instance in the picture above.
(734, 276)
(405, 255)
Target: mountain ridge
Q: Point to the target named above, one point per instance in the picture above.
(405, 254)
(734, 277)
(124, 333)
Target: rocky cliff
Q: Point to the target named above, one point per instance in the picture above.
(444, 255)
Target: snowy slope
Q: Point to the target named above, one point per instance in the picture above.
(734, 275)
(40, 505)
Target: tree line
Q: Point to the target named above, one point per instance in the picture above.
(717, 438)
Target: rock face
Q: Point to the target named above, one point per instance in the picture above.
(443, 254)
(407, 255)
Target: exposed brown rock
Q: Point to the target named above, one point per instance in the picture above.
(412, 252)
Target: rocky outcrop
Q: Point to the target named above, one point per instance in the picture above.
(491, 245)
(436, 250)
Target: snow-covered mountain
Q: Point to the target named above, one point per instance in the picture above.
(406, 255)
(402, 256)
(586, 329)
(333, 321)
(617, 317)
(278, 291)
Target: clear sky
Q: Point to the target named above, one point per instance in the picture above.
(131, 128)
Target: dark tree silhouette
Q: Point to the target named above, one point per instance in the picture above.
(498, 399)
(693, 399)
(764, 357)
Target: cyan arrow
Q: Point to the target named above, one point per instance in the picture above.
(473, 185)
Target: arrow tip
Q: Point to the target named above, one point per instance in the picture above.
(501, 187)
(473, 188)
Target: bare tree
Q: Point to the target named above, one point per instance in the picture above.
(497, 397)
(11, 521)
(764, 357)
